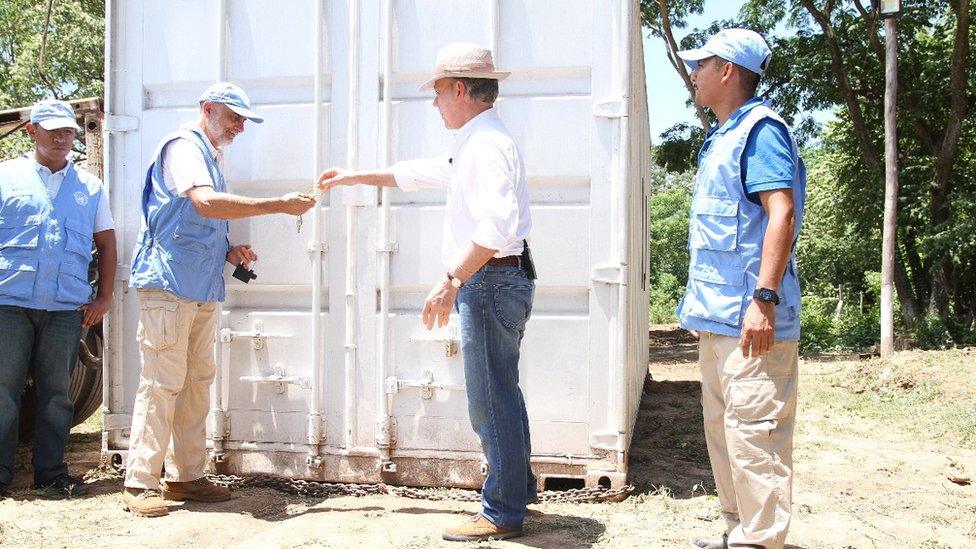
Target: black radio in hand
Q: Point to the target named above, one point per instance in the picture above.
(244, 274)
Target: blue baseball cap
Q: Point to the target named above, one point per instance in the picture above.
(52, 114)
(232, 96)
(740, 46)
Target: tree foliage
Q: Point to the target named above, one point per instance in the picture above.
(829, 54)
(73, 56)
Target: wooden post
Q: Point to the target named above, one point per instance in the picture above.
(891, 191)
(93, 143)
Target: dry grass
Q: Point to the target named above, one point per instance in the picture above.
(875, 443)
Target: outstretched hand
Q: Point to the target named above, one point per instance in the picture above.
(297, 203)
(334, 177)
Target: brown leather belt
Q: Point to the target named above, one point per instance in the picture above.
(507, 260)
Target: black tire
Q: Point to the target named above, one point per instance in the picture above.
(85, 389)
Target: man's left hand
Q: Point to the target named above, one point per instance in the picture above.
(758, 328)
(95, 310)
(439, 303)
(241, 255)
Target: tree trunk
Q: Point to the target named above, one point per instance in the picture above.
(904, 291)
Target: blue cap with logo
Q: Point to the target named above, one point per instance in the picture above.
(52, 114)
(232, 96)
(740, 46)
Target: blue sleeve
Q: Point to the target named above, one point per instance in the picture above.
(767, 161)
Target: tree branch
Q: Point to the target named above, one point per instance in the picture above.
(871, 22)
(843, 83)
(957, 97)
(679, 66)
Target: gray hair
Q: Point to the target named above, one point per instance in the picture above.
(481, 89)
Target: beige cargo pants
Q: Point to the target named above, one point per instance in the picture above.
(749, 406)
(176, 344)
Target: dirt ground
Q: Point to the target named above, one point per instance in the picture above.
(876, 443)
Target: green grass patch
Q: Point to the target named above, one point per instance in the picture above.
(922, 393)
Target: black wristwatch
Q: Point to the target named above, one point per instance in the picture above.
(766, 295)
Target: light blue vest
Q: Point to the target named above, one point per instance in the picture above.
(179, 250)
(725, 236)
(45, 242)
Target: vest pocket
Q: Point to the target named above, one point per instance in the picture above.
(715, 224)
(196, 238)
(78, 238)
(19, 232)
(73, 284)
(17, 277)
(717, 292)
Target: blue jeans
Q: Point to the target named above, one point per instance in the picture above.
(494, 306)
(49, 339)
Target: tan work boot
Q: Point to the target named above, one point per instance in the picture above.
(479, 528)
(144, 503)
(200, 489)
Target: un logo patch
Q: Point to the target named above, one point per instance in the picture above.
(81, 198)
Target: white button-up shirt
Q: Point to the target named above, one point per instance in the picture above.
(52, 182)
(487, 193)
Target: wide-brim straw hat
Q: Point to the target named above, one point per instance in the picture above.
(464, 60)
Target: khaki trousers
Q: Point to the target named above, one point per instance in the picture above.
(176, 344)
(749, 407)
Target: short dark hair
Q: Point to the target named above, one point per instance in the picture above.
(750, 80)
(481, 89)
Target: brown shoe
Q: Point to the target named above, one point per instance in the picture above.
(144, 503)
(200, 489)
(478, 528)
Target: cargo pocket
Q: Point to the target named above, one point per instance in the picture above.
(715, 224)
(157, 324)
(760, 401)
(73, 284)
(19, 232)
(17, 278)
(78, 238)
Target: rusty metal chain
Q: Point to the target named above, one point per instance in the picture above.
(307, 488)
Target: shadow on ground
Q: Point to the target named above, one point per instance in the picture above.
(671, 345)
(668, 450)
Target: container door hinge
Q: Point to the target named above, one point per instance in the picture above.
(118, 123)
(605, 441)
(612, 108)
(610, 274)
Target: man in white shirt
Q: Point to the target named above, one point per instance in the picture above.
(50, 214)
(488, 278)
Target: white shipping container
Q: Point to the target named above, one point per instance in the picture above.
(324, 368)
